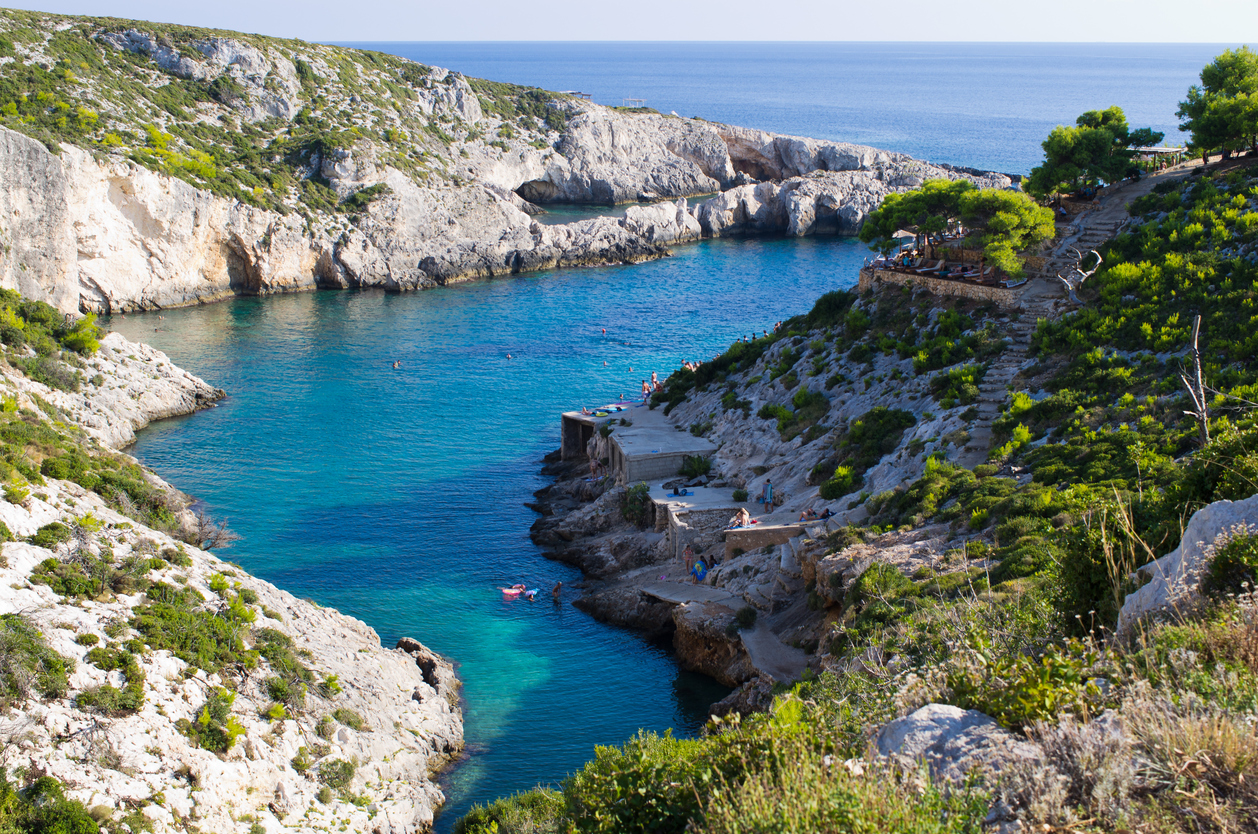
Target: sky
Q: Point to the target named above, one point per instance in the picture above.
(1149, 21)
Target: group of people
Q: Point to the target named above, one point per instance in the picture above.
(650, 387)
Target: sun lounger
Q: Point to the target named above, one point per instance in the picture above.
(926, 270)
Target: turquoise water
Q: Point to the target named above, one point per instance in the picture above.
(397, 496)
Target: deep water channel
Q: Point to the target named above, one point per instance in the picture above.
(397, 496)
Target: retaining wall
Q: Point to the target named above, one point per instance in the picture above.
(937, 286)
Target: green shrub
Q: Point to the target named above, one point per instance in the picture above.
(957, 386)
(108, 699)
(42, 808)
(745, 617)
(840, 484)
(27, 665)
(740, 495)
(51, 535)
(286, 692)
(1233, 566)
(1018, 689)
(636, 504)
(214, 728)
(302, 762)
(695, 466)
(538, 811)
(173, 619)
(337, 774)
(350, 718)
(859, 448)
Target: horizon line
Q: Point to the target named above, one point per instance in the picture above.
(869, 42)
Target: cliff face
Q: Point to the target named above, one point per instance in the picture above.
(194, 165)
(107, 235)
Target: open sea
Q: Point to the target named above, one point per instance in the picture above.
(397, 496)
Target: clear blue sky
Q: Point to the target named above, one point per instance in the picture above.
(1157, 21)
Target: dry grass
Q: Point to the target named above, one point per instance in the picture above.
(803, 792)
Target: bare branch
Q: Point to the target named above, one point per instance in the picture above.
(211, 535)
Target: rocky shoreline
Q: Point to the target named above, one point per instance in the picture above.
(328, 730)
(406, 176)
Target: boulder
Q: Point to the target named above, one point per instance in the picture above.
(953, 742)
(1172, 581)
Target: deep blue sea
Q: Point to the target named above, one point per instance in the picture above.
(397, 495)
(985, 105)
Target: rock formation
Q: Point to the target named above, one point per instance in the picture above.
(1171, 582)
(356, 749)
(373, 173)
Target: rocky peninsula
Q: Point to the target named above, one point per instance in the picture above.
(160, 686)
(207, 164)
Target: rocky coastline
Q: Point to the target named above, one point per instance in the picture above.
(408, 176)
(321, 727)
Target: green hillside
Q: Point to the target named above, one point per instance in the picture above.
(247, 116)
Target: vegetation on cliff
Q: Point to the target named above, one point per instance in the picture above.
(249, 117)
(1222, 112)
(1099, 149)
(1001, 224)
(1093, 470)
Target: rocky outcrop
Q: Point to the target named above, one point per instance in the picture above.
(704, 645)
(116, 763)
(375, 723)
(126, 385)
(1171, 582)
(954, 742)
(104, 234)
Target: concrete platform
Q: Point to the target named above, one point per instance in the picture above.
(652, 448)
(681, 592)
(577, 427)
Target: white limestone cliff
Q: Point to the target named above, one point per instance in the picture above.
(118, 764)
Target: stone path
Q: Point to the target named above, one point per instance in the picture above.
(679, 592)
(1045, 297)
(771, 656)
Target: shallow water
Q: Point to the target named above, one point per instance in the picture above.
(397, 496)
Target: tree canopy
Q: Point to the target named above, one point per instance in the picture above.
(1222, 112)
(1097, 149)
(1000, 222)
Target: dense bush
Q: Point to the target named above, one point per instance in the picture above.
(695, 466)
(636, 504)
(214, 728)
(860, 447)
(958, 386)
(1233, 565)
(27, 665)
(173, 619)
(41, 808)
(108, 699)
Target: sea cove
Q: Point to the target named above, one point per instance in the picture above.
(378, 282)
(397, 496)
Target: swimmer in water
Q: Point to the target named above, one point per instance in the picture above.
(508, 356)
(397, 363)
